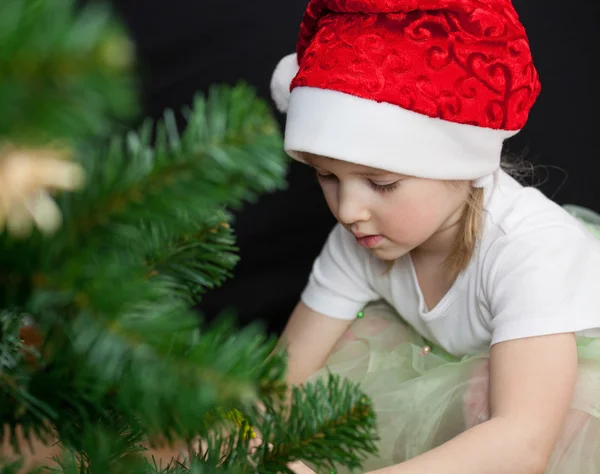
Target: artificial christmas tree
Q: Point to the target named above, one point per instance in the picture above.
(108, 239)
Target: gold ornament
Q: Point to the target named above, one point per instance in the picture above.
(238, 419)
(27, 176)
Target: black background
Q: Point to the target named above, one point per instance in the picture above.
(184, 46)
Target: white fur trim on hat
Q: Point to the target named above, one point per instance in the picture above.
(284, 74)
(484, 181)
(381, 135)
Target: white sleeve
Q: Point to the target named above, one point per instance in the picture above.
(545, 282)
(338, 285)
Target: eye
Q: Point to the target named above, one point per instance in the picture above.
(384, 188)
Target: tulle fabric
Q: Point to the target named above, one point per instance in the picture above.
(424, 396)
(589, 218)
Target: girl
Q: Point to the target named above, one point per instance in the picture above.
(465, 304)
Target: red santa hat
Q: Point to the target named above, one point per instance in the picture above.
(427, 88)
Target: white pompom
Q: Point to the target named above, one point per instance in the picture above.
(283, 76)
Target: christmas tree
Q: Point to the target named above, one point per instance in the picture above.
(108, 238)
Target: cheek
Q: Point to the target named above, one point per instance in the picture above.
(330, 194)
(409, 222)
(416, 218)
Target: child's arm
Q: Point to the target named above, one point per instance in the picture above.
(532, 382)
(309, 337)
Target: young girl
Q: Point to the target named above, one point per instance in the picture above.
(465, 304)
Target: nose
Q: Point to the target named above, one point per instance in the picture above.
(351, 208)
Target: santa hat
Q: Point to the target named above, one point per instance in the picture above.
(427, 88)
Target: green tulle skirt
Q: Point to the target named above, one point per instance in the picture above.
(424, 396)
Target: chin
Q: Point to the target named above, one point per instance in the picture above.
(389, 255)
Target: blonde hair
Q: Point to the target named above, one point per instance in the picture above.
(471, 221)
(469, 233)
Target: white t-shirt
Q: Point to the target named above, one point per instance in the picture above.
(535, 272)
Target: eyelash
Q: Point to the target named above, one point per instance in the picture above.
(380, 188)
(384, 188)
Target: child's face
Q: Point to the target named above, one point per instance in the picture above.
(389, 213)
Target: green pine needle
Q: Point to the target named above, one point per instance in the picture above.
(63, 72)
(195, 263)
(330, 423)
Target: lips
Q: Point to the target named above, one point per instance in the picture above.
(368, 241)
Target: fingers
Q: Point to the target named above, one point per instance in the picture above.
(300, 468)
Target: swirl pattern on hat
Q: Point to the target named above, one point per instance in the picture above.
(464, 61)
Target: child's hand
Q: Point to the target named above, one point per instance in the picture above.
(300, 468)
(297, 467)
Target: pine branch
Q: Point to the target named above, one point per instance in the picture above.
(194, 263)
(212, 369)
(93, 289)
(230, 151)
(104, 449)
(65, 77)
(185, 177)
(329, 423)
(16, 401)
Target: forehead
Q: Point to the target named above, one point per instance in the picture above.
(338, 166)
